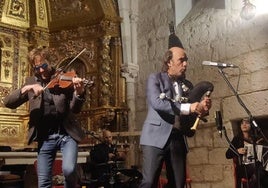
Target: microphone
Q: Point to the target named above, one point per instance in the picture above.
(220, 65)
(218, 120)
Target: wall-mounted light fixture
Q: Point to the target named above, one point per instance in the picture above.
(248, 11)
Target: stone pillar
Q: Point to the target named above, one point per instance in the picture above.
(130, 73)
(128, 11)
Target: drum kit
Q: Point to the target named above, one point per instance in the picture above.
(112, 175)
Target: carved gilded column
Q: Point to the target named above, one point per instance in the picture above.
(116, 55)
(105, 72)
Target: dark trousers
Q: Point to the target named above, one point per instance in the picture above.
(249, 172)
(174, 155)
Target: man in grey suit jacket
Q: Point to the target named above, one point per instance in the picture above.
(163, 134)
(51, 122)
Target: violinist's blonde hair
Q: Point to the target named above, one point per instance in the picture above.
(39, 51)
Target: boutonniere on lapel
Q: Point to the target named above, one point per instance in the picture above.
(185, 89)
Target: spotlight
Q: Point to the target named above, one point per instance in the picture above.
(248, 11)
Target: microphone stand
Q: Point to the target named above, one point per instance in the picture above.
(233, 149)
(253, 123)
(231, 145)
(114, 167)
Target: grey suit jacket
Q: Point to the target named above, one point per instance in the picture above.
(71, 125)
(161, 113)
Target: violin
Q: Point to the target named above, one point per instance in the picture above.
(64, 80)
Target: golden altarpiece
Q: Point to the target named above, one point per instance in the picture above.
(67, 27)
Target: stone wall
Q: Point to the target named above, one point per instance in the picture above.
(211, 34)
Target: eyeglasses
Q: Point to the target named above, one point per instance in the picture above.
(43, 66)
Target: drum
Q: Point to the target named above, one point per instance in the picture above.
(130, 178)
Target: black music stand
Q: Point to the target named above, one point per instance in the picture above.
(253, 123)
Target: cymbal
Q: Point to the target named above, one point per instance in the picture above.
(116, 162)
(109, 163)
(103, 164)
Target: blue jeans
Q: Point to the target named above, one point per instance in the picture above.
(46, 155)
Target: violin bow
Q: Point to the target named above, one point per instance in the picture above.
(59, 70)
(66, 66)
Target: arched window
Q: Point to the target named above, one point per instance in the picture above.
(78, 66)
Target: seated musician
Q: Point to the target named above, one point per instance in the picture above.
(104, 157)
(244, 163)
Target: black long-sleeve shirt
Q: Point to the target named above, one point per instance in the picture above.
(100, 153)
(237, 142)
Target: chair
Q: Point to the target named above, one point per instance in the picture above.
(163, 180)
(12, 176)
(84, 173)
(57, 176)
(244, 181)
(188, 180)
(11, 180)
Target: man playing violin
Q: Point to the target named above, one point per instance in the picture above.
(51, 123)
